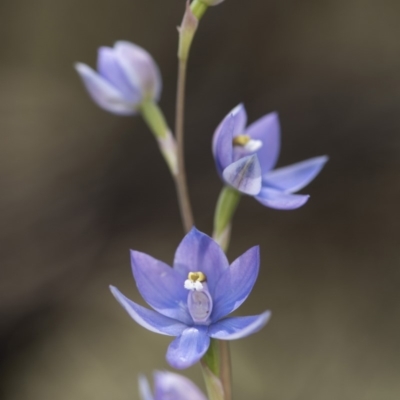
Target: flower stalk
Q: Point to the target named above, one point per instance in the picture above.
(198, 8)
(226, 206)
(156, 122)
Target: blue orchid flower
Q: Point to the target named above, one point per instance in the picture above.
(169, 386)
(245, 158)
(127, 75)
(192, 299)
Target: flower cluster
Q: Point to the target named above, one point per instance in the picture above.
(192, 300)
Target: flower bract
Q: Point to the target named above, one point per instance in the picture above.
(192, 299)
(169, 386)
(126, 76)
(245, 158)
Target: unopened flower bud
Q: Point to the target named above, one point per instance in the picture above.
(127, 75)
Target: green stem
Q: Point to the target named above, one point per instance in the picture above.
(226, 206)
(210, 364)
(155, 120)
(198, 8)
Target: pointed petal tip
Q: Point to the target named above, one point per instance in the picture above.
(81, 67)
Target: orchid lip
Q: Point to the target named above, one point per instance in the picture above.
(199, 300)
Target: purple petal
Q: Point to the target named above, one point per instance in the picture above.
(149, 319)
(198, 252)
(188, 348)
(267, 129)
(296, 176)
(240, 119)
(244, 175)
(110, 69)
(103, 93)
(238, 327)
(144, 389)
(140, 68)
(279, 200)
(236, 283)
(161, 286)
(222, 143)
(175, 387)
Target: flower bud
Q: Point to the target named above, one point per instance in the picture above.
(127, 75)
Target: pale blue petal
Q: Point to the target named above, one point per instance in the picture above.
(140, 68)
(222, 143)
(239, 125)
(279, 200)
(236, 283)
(189, 348)
(144, 389)
(240, 119)
(267, 129)
(149, 319)
(238, 327)
(170, 386)
(110, 69)
(103, 93)
(161, 286)
(296, 176)
(244, 175)
(199, 252)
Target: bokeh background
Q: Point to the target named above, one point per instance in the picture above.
(79, 187)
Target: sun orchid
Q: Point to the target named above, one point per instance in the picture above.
(245, 158)
(169, 386)
(192, 299)
(127, 75)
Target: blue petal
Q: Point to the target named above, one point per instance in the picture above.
(144, 389)
(110, 69)
(140, 68)
(222, 143)
(240, 119)
(238, 327)
(188, 348)
(236, 283)
(175, 387)
(296, 176)
(267, 129)
(103, 93)
(149, 319)
(161, 286)
(279, 200)
(198, 252)
(244, 175)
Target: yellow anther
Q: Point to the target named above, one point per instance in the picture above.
(241, 140)
(197, 277)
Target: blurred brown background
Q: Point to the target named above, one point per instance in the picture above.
(79, 187)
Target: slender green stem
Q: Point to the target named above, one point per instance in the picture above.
(181, 185)
(225, 373)
(155, 120)
(226, 206)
